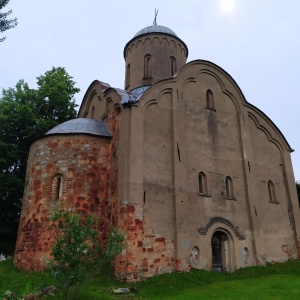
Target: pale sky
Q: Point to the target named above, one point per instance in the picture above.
(256, 41)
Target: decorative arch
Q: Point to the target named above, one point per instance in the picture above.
(188, 80)
(221, 75)
(89, 101)
(109, 104)
(139, 42)
(224, 223)
(164, 39)
(265, 131)
(222, 86)
(155, 101)
(96, 88)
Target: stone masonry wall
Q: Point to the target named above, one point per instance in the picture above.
(82, 163)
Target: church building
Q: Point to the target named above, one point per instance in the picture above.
(178, 161)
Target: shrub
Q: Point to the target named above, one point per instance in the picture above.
(77, 253)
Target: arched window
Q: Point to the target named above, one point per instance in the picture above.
(57, 186)
(128, 76)
(93, 112)
(229, 187)
(173, 65)
(210, 100)
(147, 67)
(272, 195)
(202, 183)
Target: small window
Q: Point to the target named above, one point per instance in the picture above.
(147, 67)
(173, 65)
(272, 195)
(229, 187)
(210, 100)
(57, 186)
(128, 76)
(202, 184)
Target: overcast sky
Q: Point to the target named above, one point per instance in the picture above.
(256, 41)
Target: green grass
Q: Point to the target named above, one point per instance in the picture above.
(276, 281)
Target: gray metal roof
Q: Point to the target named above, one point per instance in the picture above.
(158, 29)
(81, 125)
(155, 28)
(138, 92)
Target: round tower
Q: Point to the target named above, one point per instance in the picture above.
(154, 53)
(69, 167)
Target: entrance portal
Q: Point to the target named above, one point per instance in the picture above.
(220, 252)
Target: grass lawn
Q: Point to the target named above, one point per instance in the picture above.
(277, 281)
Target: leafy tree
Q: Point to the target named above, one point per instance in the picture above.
(25, 115)
(6, 24)
(56, 96)
(77, 253)
(298, 190)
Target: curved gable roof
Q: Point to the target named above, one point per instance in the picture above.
(236, 86)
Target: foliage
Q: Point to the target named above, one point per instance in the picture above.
(77, 253)
(25, 115)
(56, 96)
(298, 190)
(5, 23)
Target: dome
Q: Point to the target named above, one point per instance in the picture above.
(81, 125)
(155, 28)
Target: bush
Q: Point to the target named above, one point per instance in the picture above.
(78, 254)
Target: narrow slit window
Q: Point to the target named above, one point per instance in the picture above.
(128, 76)
(202, 183)
(272, 195)
(173, 65)
(229, 187)
(57, 187)
(147, 67)
(210, 100)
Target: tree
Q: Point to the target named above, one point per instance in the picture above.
(25, 115)
(6, 24)
(77, 253)
(298, 191)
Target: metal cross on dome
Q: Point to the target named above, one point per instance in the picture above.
(156, 12)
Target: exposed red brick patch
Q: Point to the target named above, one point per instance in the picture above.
(160, 239)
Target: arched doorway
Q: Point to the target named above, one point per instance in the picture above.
(221, 252)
